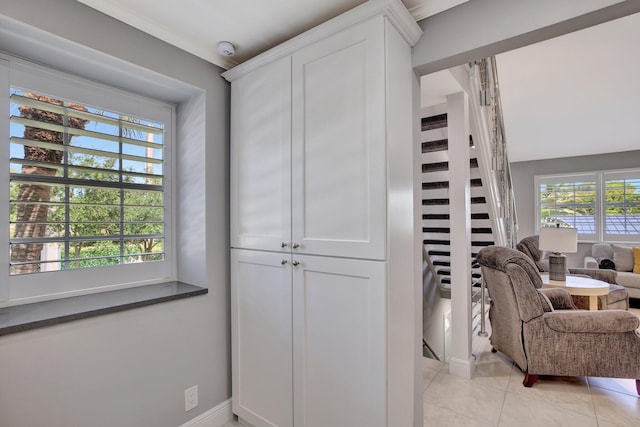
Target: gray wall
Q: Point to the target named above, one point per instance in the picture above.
(524, 172)
(130, 369)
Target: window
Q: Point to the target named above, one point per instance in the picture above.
(603, 206)
(88, 182)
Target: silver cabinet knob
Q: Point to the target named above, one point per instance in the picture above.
(295, 263)
(283, 262)
(284, 244)
(296, 246)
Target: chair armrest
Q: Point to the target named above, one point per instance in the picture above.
(590, 262)
(594, 322)
(560, 299)
(608, 276)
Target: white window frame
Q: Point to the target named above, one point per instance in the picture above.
(19, 289)
(599, 177)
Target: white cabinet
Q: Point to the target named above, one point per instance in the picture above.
(338, 129)
(339, 342)
(261, 158)
(325, 274)
(261, 344)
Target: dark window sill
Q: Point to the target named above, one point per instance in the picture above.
(46, 313)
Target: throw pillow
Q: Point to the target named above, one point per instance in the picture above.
(623, 257)
(607, 264)
(602, 250)
(636, 260)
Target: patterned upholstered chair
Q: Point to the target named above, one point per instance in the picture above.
(616, 299)
(543, 332)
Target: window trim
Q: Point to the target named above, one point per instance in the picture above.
(600, 177)
(47, 285)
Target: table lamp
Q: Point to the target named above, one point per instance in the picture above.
(558, 239)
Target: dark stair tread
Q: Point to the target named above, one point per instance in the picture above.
(435, 216)
(446, 280)
(478, 200)
(444, 272)
(434, 122)
(436, 230)
(473, 163)
(480, 216)
(437, 145)
(482, 230)
(481, 243)
(442, 263)
(435, 185)
(435, 167)
(435, 202)
(439, 253)
(436, 242)
(476, 182)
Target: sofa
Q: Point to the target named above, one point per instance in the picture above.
(616, 299)
(621, 260)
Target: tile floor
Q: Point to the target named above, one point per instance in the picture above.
(495, 396)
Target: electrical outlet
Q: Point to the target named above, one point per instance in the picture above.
(190, 398)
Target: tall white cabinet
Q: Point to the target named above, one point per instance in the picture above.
(324, 319)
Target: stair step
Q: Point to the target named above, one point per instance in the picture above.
(481, 243)
(442, 263)
(435, 202)
(473, 163)
(446, 280)
(479, 216)
(481, 230)
(434, 216)
(435, 185)
(436, 230)
(437, 145)
(435, 167)
(476, 182)
(436, 242)
(478, 200)
(434, 122)
(444, 272)
(439, 253)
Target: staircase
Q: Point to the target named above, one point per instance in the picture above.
(435, 209)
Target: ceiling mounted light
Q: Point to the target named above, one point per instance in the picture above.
(226, 49)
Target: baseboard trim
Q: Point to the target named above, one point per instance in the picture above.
(215, 417)
(461, 368)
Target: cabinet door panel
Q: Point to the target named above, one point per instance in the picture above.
(261, 158)
(261, 322)
(339, 342)
(338, 145)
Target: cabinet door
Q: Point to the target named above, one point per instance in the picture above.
(339, 342)
(261, 158)
(338, 134)
(261, 343)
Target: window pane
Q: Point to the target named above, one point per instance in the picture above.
(86, 186)
(622, 206)
(571, 203)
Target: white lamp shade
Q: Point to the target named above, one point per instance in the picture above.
(558, 239)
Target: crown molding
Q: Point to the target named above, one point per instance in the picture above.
(424, 10)
(393, 10)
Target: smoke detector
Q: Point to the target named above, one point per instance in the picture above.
(226, 49)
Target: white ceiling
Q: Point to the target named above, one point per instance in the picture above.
(577, 94)
(253, 26)
(573, 95)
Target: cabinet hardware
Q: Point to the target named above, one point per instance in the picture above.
(283, 262)
(295, 263)
(284, 245)
(296, 246)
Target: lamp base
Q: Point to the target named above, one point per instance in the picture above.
(557, 267)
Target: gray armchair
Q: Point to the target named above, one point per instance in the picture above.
(543, 333)
(616, 299)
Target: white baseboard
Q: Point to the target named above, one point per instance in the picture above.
(214, 417)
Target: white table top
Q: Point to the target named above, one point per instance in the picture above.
(577, 285)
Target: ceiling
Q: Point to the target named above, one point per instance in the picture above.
(574, 95)
(577, 94)
(253, 26)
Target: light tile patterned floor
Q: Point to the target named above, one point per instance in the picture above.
(495, 396)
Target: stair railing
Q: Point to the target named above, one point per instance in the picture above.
(484, 92)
